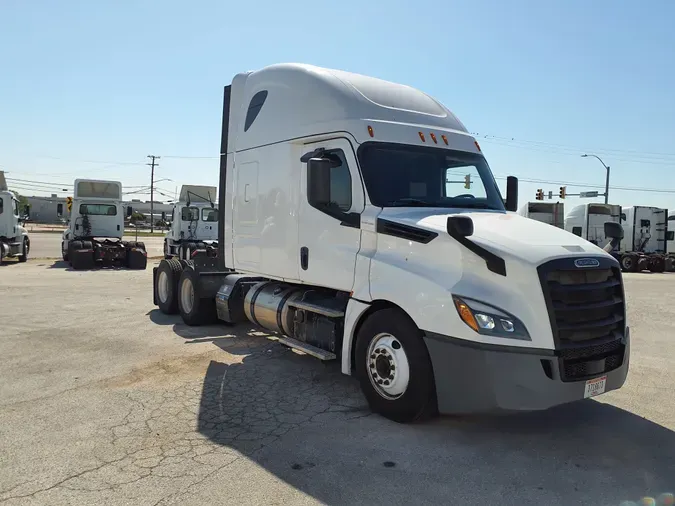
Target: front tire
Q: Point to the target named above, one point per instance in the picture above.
(394, 368)
(26, 248)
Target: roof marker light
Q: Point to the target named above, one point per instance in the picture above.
(422, 136)
(476, 143)
(433, 137)
(370, 131)
(445, 139)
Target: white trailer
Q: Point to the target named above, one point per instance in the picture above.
(644, 246)
(346, 228)
(552, 213)
(14, 240)
(194, 222)
(96, 227)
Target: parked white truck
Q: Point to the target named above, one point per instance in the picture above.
(14, 240)
(552, 213)
(96, 227)
(644, 246)
(194, 222)
(346, 228)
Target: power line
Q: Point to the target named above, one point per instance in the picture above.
(629, 152)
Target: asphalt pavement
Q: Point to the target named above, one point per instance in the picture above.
(104, 400)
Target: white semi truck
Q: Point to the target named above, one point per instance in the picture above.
(644, 246)
(552, 213)
(96, 227)
(14, 240)
(346, 229)
(194, 222)
(670, 242)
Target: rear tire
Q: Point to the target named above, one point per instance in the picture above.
(193, 309)
(136, 259)
(658, 265)
(394, 368)
(81, 261)
(629, 263)
(166, 285)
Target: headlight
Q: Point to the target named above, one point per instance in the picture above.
(489, 320)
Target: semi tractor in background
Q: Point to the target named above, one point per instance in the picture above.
(552, 213)
(14, 240)
(644, 245)
(645, 242)
(194, 222)
(96, 228)
(670, 242)
(359, 221)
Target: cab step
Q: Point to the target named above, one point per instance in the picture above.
(307, 348)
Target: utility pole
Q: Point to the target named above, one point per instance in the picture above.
(606, 178)
(152, 165)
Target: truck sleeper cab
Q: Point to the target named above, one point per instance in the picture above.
(360, 221)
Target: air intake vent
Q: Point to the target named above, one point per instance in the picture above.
(406, 232)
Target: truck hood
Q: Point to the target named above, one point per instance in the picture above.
(524, 238)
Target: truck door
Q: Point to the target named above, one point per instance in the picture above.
(328, 243)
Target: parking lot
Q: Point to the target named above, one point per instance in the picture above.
(104, 400)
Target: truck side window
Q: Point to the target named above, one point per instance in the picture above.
(2, 205)
(59, 209)
(15, 206)
(190, 214)
(576, 231)
(341, 183)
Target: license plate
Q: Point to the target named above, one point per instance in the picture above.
(595, 387)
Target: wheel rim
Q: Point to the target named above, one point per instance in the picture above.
(163, 286)
(187, 295)
(388, 367)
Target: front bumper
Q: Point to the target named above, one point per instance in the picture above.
(475, 378)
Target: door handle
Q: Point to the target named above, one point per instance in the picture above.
(304, 258)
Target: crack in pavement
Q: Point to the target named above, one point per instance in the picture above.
(239, 409)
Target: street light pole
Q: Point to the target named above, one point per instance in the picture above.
(606, 179)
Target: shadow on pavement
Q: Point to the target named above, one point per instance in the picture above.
(309, 425)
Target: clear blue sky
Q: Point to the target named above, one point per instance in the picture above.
(93, 81)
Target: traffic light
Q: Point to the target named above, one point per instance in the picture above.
(467, 181)
(540, 194)
(563, 191)
(69, 203)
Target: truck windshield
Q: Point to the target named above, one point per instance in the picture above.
(420, 176)
(209, 214)
(98, 209)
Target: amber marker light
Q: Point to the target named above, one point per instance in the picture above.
(465, 313)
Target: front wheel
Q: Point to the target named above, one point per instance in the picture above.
(24, 252)
(394, 369)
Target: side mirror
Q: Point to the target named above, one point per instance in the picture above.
(26, 210)
(613, 230)
(511, 203)
(318, 180)
(130, 211)
(459, 226)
